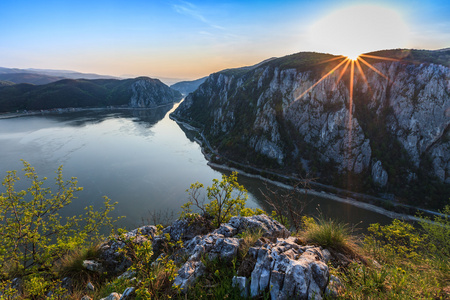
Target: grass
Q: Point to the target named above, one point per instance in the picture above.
(249, 238)
(329, 234)
(71, 265)
(405, 264)
(216, 283)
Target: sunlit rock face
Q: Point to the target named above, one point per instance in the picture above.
(257, 110)
(148, 92)
(379, 175)
(419, 97)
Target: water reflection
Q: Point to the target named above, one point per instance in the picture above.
(146, 117)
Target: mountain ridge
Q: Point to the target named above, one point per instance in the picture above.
(44, 76)
(139, 93)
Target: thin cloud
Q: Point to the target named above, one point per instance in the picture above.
(190, 10)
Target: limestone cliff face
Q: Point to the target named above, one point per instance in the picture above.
(148, 92)
(404, 113)
(419, 99)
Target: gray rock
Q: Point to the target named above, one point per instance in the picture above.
(67, 284)
(333, 287)
(269, 226)
(129, 293)
(276, 283)
(261, 273)
(186, 229)
(114, 261)
(242, 284)
(148, 231)
(188, 273)
(326, 255)
(112, 296)
(93, 266)
(225, 248)
(90, 286)
(17, 284)
(86, 297)
(289, 270)
(127, 274)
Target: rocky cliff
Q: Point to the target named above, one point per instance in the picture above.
(148, 92)
(394, 133)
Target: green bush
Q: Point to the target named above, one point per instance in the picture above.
(226, 198)
(33, 233)
(438, 231)
(399, 239)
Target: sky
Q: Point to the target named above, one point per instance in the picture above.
(191, 39)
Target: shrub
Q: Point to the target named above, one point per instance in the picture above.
(397, 239)
(439, 231)
(33, 233)
(154, 276)
(226, 198)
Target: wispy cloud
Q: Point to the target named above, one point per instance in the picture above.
(189, 9)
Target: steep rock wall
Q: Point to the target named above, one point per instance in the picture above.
(259, 110)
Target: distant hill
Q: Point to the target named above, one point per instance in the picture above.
(186, 87)
(43, 76)
(70, 74)
(138, 92)
(438, 57)
(29, 78)
(5, 83)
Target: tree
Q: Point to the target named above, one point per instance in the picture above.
(33, 233)
(226, 199)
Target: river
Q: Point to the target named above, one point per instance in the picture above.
(139, 158)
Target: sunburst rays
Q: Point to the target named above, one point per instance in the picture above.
(343, 65)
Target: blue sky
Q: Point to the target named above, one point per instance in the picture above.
(191, 39)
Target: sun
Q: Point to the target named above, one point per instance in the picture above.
(352, 56)
(359, 29)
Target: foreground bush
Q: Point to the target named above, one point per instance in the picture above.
(406, 263)
(33, 233)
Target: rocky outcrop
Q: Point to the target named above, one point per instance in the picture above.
(287, 269)
(284, 267)
(276, 264)
(148, 92)
(113, 260)
(397, 121)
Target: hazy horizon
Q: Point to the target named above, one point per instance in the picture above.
(187, 40)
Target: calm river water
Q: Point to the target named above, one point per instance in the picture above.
(139, 158)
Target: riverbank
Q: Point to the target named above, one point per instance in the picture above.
(367, 202)
(9, 115)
